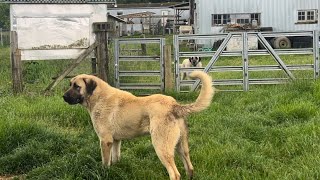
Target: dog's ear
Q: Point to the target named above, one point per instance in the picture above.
(90, 85)
(190, 59)
(199, 59)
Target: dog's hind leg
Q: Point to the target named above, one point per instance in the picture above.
(183, 148)
(116, 151)
(164, 136)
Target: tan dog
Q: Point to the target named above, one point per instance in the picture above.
(118, 115)
(187, 63)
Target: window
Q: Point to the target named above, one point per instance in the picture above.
(307, 16)
(225, 18)
(301, 16)
(243, 21)
(256, 17)
(220, 19)
(237, 18)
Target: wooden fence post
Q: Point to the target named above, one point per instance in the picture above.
(168, 78)
(94, 65)
(16, 64)
(143, 47)
(102, 63)
(101, 30)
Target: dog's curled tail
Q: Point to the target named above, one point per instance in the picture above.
(204, 99)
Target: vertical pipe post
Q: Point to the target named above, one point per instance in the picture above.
(245, 60)
(168, 81)
(116, 59)
(316, 53)
(176, 62)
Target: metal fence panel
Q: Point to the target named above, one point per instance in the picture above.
(147, 65)
(244, 52)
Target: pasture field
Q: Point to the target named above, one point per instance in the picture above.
(272, 132)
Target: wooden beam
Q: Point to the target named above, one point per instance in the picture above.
(72, 66)
(191, 20)
(16, 64)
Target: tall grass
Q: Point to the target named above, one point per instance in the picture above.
(272, 132)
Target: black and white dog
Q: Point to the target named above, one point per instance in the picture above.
(187, 63)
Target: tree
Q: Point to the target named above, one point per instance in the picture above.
(5, 16)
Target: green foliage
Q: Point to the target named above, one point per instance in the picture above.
(5, 16)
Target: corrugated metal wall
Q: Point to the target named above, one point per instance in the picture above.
(279, 14)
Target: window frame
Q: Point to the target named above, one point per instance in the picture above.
(307, 16)
(220, 19)
(225, 19)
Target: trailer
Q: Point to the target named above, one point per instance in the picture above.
(216, 16)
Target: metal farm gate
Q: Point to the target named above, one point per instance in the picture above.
(139, 64)
(188, 45)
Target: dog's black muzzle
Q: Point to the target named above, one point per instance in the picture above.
(72, 100)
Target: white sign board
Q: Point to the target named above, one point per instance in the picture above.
(55, 31)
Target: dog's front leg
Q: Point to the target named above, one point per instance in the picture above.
(116, 151)
(106, 146)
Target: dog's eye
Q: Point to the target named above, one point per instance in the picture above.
(76, 86)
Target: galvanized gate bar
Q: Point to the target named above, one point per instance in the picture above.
(138, 58)
(139, 73)
(202, 36)
(278, 67)
(213, 59)
(245, 61)
(116, 61)
(145, 86)
(275, 55)
(250, 52)
(316, 53)
(282, 51)
(287, 34)
(251, 68)
(176, 62)
(162, 66)
(141, 40)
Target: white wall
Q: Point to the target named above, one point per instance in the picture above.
(52, 31)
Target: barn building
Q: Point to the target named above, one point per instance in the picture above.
(213, 16)
(216, 16)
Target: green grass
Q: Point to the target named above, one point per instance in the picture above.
(272, 132)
